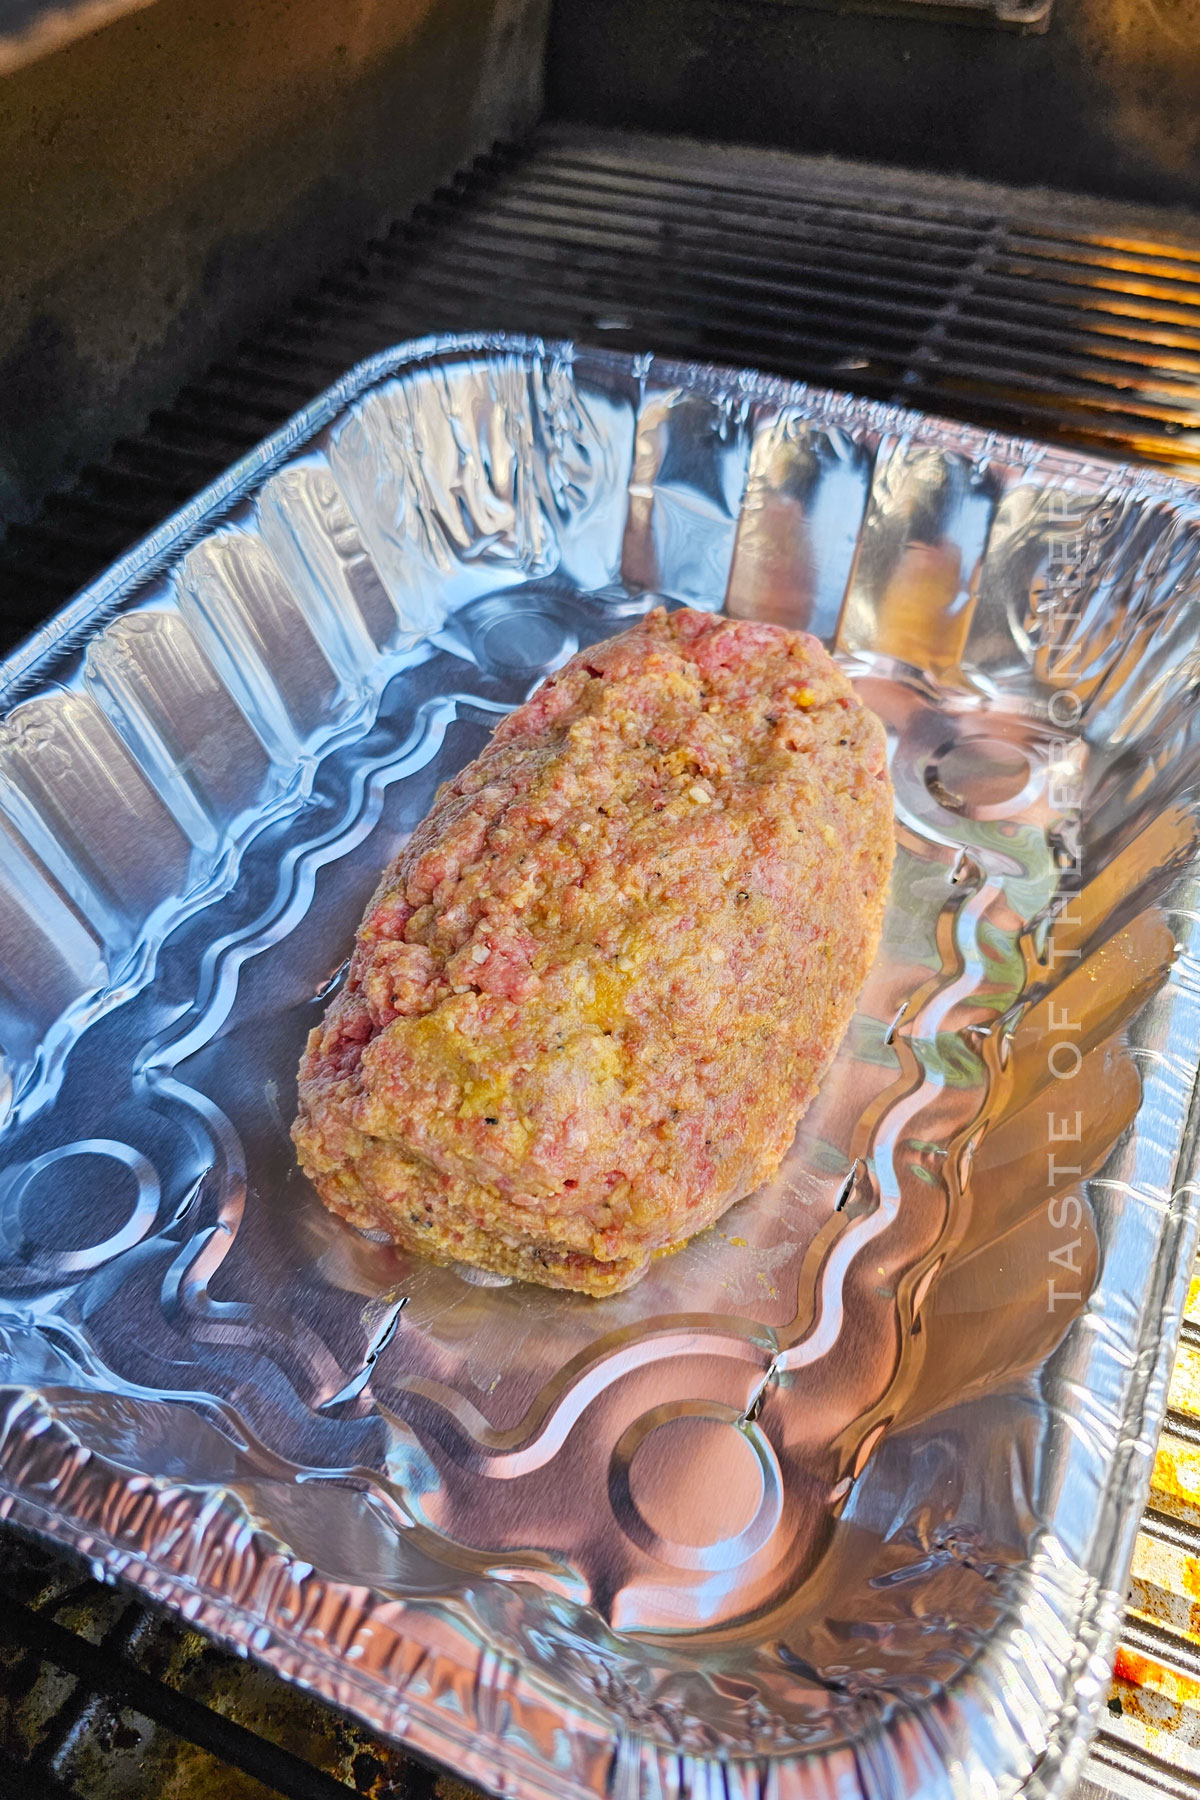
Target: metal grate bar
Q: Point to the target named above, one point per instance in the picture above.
(1111, 1756)
(826, 182)
(103, 1699)
(102, 1672)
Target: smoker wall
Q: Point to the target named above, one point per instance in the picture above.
(1107, 102)
(167, 180)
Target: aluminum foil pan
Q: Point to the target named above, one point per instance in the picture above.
(841, 1500)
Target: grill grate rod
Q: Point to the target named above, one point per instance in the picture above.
(104, 1673)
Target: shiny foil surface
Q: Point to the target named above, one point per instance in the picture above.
(841, 1499)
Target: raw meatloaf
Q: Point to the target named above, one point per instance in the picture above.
(594, 992)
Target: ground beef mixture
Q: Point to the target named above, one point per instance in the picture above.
(595, 991)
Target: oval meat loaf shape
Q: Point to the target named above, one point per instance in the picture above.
(597, 988)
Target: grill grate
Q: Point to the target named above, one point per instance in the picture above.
(1076, 322)
(1079, 324)
(101, 1697)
